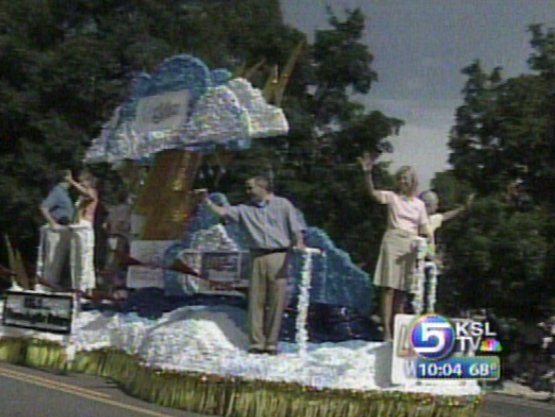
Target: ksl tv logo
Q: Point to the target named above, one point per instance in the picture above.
(435, 337)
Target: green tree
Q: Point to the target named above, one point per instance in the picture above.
(65, 66)
(503, 146)
(496, 255)
(505, 130)
(315, 164)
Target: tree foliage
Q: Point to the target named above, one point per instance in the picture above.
(503, 146)
(65, 65)
(315, 165)
(506, 128)
(497, 257)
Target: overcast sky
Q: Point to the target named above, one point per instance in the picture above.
(419, 48)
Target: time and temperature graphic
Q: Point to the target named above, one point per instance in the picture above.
(458, 349)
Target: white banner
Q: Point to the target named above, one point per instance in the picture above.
(162, 112)
(150, 252)
(225, 267)
(38, 311)
(403, 366)
(403, 370)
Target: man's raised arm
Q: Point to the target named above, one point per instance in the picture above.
(214, 208)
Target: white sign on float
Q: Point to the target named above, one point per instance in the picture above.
(224, 267)
(403, 366)
(38, 311)
(222, 271)
(166, 111)
(150, 253)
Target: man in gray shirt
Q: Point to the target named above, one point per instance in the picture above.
(57, 209)
(272, 226)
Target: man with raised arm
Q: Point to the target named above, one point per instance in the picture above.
(272, 226)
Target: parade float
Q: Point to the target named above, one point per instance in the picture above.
(194, 355)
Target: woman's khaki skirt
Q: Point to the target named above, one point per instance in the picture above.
(396, 261)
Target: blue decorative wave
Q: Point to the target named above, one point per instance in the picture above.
(335, 279)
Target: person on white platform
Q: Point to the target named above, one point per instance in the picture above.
(57, 209)
(431, 201)
(83, 276)
(272, 226)
(406, 218)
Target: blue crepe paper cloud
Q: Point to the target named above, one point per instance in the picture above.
(335, 281)
(215, 116)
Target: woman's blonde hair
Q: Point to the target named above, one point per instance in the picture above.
(413, 179)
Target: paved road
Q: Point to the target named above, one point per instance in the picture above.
(26, 392)
(505, 406)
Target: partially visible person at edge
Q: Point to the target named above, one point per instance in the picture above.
(406, 218)
(82, 239)
(58, 211)
(431, 201)
(272, 226)
(118, 229)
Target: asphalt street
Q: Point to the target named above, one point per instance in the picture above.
(26, 392)
(505, 406)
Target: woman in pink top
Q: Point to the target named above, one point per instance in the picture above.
(82, 239)
(406, 218)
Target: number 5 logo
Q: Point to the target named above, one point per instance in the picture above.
(432, 337)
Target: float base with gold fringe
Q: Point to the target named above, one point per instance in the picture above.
(232, 396)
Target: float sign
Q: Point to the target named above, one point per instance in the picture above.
(45, 312)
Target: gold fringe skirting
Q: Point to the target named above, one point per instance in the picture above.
(233, 396)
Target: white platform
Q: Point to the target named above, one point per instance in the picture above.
(212, 340)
